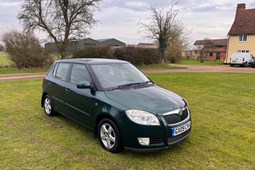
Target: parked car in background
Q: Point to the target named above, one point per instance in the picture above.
(123, 107)
(253, 62)
(241, 59)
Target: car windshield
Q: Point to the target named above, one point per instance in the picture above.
(118, 75)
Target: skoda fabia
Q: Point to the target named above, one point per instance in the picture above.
(123, 107)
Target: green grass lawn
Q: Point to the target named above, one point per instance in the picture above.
(198, 63)
(223, 132)
(17, 71)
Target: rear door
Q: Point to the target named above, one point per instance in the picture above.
(58, 84)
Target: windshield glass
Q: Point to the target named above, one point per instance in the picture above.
(116, 75)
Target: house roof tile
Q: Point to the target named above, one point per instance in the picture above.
(244, 23)
(215, 42)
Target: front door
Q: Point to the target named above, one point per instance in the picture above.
(80, 101)
(218, 56)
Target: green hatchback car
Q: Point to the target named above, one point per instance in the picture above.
(123, 107)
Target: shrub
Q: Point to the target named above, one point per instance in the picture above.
(174, 50)
(135, 55)
(25, 50)
(138, 56)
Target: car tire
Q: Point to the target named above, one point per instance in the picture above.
(48, 107)
(109, 136)
(231, 65)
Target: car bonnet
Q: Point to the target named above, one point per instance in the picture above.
(152, 99)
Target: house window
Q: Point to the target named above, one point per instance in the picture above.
(211, 54)
(243, 51)
(242, 37)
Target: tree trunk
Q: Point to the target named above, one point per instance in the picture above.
(63, 50)
(63, 53)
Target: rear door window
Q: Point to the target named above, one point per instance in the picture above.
(62, 71)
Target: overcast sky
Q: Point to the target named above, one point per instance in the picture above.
(119, 18)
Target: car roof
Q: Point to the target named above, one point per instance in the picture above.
(94, 61)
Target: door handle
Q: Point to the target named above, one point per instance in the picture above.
(67, 90)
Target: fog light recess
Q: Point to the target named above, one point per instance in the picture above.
(144, 141)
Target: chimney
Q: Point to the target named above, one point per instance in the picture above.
(240, 7)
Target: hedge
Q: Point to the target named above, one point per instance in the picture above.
(135, 55)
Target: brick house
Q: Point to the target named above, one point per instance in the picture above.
(212, 49)
(190, 54)
(241, 36)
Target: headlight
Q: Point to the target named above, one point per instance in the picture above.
(142, 117)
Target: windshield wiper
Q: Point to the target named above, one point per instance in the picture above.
(146, 82)
(134, 84)
(128, 85)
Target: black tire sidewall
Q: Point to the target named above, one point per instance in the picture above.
(118, 144)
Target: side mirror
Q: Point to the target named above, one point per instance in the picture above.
(84, 85)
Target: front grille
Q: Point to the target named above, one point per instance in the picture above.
(175, 118)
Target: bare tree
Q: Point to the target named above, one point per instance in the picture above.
(163, 26)
(61, 19)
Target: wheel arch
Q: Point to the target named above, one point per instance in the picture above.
(101, 117)
(43, 95)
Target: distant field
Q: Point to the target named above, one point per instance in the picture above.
(4, 60)
(223, 136)
(198, 63)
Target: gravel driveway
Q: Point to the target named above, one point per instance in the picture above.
(186, 68)
(6, 77)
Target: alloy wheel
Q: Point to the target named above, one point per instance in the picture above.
(47, 106)
(107, 135)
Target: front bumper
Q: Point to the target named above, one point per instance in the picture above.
(237, 63)
(160, 136)
(171, 142)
